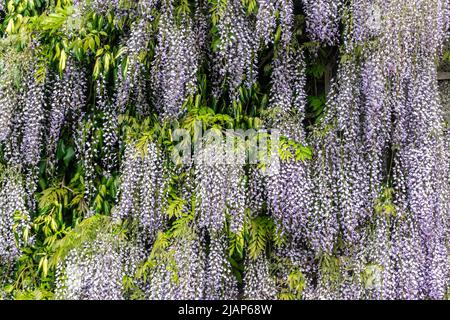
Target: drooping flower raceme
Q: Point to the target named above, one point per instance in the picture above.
(235, 57)
(8, 100)
(220, 282)
(384, 128)
(322, 20)
(288, 189)
(366, 17)
(181, 275)
(142, 192)
(92, 272)
(67, 102)
(259, 284)
(365, 218)
(266, 21)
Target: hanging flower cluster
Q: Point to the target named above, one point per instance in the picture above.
(24, 116)
(266, 21)
(14, 216)
(384, 127)
(182, 275)
(259, 284)
(101, 7)
(322, 20)
(176, 62)
(38, 106)
(32, 118)
(92, 130)
(132, 86)
(366, 216)
(235, 59)
(190, 272)
(109, 125)
(220, 282)
(92, 272)
(66, 103)
(288, 189)
(142, 192)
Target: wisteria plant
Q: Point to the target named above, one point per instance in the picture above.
(223, 149)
